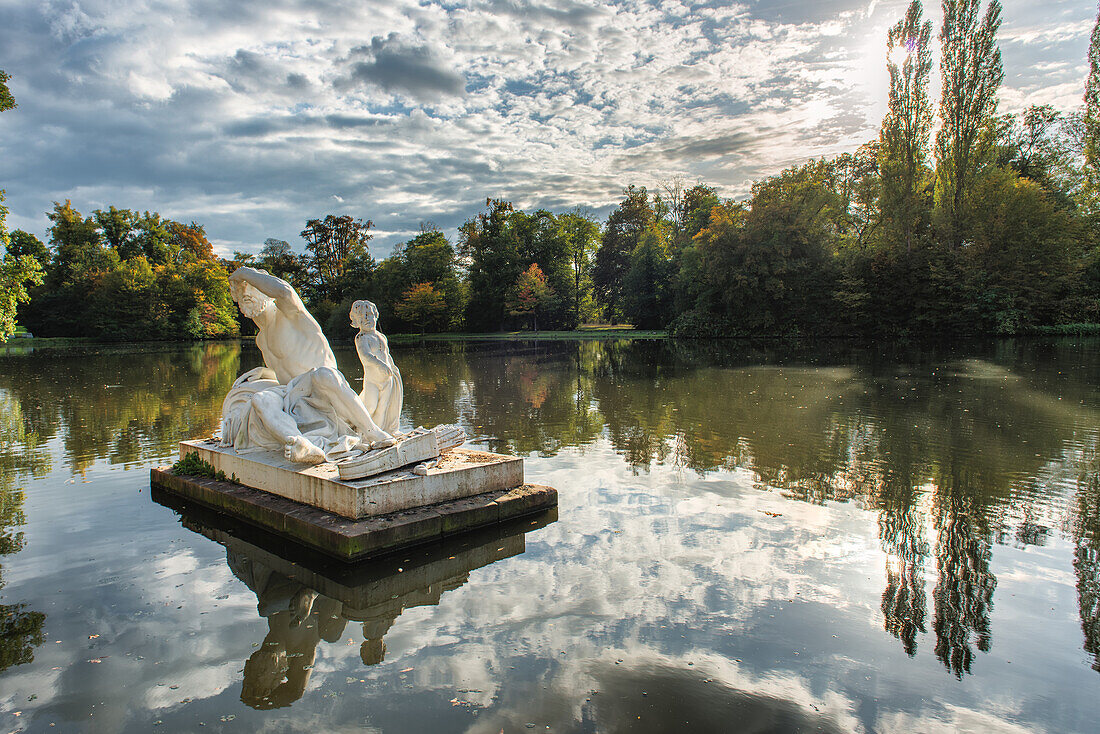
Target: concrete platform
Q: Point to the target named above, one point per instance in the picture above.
(460, 473)
(372, 536)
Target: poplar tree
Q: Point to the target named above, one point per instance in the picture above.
(907, 128)
(972, 73)
(1092, 109)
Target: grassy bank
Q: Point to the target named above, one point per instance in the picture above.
(613, 332)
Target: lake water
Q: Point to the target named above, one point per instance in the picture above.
(749, 538)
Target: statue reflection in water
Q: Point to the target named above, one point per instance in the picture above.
(298, 618)
(307, 599)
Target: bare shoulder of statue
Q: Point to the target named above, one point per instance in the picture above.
(371, 342)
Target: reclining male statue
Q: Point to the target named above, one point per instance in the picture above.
(299, 401)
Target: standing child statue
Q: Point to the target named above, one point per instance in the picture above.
(382, 389)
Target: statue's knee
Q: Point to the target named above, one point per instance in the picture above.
(327, 378)
(266, 402)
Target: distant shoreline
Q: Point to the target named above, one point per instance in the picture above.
(18, 344)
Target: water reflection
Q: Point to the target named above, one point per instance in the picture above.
(116, 404)
(307, 598)
(954, 452)
(20, 627)
(674, 701)
(960, 452)
(119, 404)
(1086, 558)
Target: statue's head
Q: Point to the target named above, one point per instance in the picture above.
(250, 300)
(264, 672)
(364, 315)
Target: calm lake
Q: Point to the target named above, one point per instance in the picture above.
(749, 538)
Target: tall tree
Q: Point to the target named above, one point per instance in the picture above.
(427, 259)
(154, 238)
(624, 229)
(1092, 109)
(904, 138)
(693, 212)
(970, 66)
(769, 270)
(117, 226)
(77, 245)
(16, 272)
(189, 242)
(581, 234)
(274, 249)
(24, 243)
(278, 258)
(648, 282)
(335, 244)
(530, 295)
(491, 246)
(1039, 145)
(422, 305)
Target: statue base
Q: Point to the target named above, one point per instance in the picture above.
(360, 518)
(353, 540)
(459, 473)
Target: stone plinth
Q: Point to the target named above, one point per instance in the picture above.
(351, 540)
(460, 473)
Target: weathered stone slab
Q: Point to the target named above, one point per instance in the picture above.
(347, 539)
(460, 473)
(409, 451)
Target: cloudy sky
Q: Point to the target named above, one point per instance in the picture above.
(251, 117)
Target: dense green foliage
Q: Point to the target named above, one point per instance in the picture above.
(993, 227)
(419, 287)
(193, 465)
(120, 275)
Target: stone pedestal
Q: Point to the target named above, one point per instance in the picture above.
(356, 519)
(460, 473)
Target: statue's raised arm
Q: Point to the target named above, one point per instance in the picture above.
(277, 289)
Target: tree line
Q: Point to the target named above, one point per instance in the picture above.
(992, 225)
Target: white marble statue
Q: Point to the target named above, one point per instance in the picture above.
(298, 401)
(382, 390)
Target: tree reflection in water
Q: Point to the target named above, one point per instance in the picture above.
(1086, 558)
(953, 454)
(119, 404)
(939, 446)
(901, 531)
(20, 628)
(964, 592)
